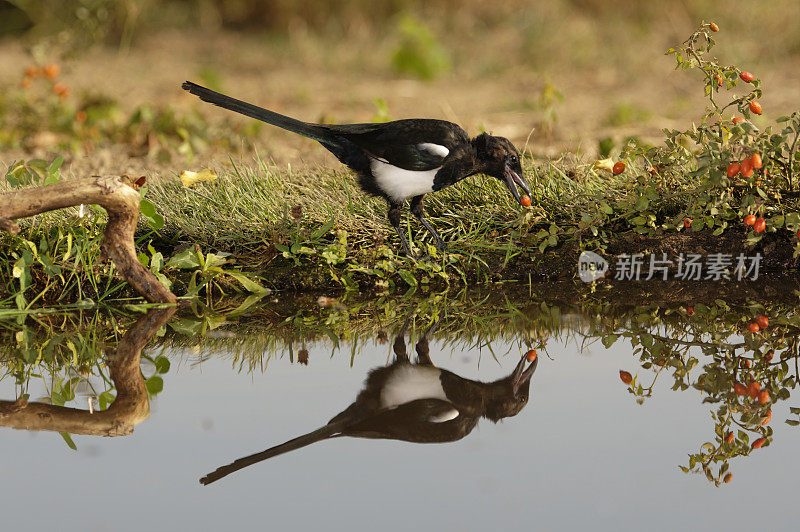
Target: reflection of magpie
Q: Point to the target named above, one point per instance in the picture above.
(401, 159)
(411, 402)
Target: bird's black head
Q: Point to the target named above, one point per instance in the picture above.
(499, 158)
(510, 395)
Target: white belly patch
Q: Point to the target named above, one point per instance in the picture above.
(400, 184)
(409, 383)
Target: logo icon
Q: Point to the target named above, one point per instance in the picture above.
(591, 267)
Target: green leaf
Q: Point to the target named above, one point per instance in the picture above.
(55, 165)
(157, 262)
(322, 230)
(185, 260)
(215, 259)
(148, 211)
(68, 438)
(19, 268)
(408, 277)
(604, 207)
(642, 203)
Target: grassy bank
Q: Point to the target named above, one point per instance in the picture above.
(723, 185)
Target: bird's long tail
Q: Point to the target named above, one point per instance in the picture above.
(312, 131)
(322, 433)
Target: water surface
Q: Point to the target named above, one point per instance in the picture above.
(581, 454)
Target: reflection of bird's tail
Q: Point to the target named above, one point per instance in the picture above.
(327, 431)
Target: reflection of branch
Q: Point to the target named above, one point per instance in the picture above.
(130, 408)
(118, 197)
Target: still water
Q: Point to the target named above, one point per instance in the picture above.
(580, 454)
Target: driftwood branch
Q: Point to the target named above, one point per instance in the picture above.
(118, 195)
(130, 408)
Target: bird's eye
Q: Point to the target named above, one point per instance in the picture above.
(513, 159)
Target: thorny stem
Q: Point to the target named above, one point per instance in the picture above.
(791, 157)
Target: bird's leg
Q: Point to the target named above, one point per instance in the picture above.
(417, 210)
(423, 352)
(422, 347)
(395, 212)
(399, 346)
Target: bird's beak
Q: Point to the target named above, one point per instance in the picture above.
(514, 180)
(522, 375)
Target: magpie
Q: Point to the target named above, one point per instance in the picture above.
(413, 402)
(399, 160)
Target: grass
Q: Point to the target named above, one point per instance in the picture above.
(250, 204)
(251, 209)
(317, 229)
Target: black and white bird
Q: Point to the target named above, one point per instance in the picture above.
(414, 402)
(399, 160)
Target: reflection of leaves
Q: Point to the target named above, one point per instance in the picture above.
(666, 340)
(105, 399)
(186, 327)
(795, 411)
(162, 364)
(68, 438)
(154, 385)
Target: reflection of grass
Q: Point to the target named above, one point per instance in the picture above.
(702, 350)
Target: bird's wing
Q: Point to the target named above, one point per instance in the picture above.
(417, 413)
(417, 144)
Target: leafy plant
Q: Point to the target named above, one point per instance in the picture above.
(207, 273)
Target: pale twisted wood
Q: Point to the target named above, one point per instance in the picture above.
(117, 195)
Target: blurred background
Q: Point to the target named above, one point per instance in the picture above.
(557, 76)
